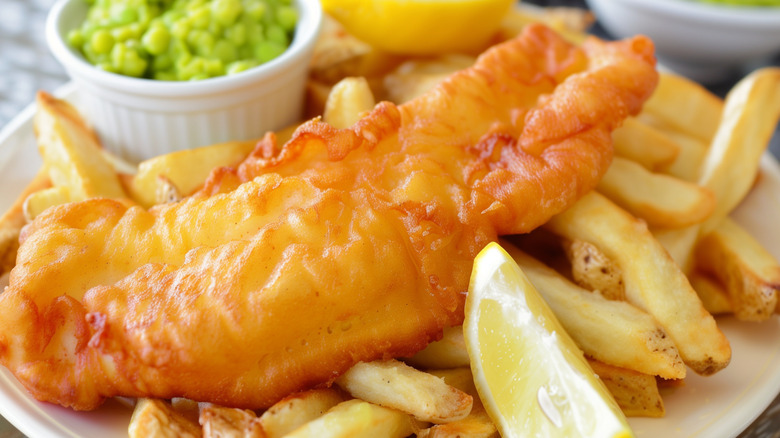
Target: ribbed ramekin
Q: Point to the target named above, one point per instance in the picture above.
(141, 118)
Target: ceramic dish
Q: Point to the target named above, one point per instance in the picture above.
(704, 41)
(714, 407)
(140, 118)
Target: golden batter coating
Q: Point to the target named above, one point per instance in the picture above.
(347, 245)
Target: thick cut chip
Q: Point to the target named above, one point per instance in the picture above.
(653, 281)
(394, 384)
(72, 153)
(447, 352)
(593, 270)
(661, 200)
(185, 170)
(357, 419)
(749, 272)
(644, 144)
(156, 418)
(221, 422)
(347, 101)
(750, 115)
(613, 332)
(298, 409)
(636, 393)
(685, 105)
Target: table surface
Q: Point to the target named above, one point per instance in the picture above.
(27, 66)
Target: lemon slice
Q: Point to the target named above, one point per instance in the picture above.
(420, 27)
(532, 379)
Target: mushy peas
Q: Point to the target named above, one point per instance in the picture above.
(180, 40)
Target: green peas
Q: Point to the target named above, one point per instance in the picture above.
(127, 32)
(202, 42)
(184, 39)
(122, 14)
(76, 38)
(172, 16)
(268, 50)
(277, 34)
(102, 41)
(180, 29)
(127, 60)
(226, 12)
(162, 63)
(287, 17)
(236, 34)
(256, 10)
(225, 51)
(213, 67)
(239, 66)
(156, 40)
(200, 17)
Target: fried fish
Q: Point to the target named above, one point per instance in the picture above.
(345, 245)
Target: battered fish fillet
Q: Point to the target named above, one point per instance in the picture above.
(347, 245)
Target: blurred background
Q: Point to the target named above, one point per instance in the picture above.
(27, 66)
(25, 62)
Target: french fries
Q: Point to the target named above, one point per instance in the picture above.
(750, 115)
(645, 145)
(475, 425)
(653, 281)
(72, 154)
(569, 22)
(636, 393)
(687, 165)
(679, 243)
(419, 394)
(593, 270)
(750, 274)
(220, 422)
(39, 201)
(685, 106)
(358, 419)
(613, 332)
(157, 418)
(448, 352)
(713, 296)
(298, 409)
(74, 169)
(347, 100)
(415, 77)
(182, 172)
(661, 200)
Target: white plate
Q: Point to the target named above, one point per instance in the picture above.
(719, 406)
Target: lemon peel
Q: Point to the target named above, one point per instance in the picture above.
(420, 27)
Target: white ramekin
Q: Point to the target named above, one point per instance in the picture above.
(701, 40)
(141, 118)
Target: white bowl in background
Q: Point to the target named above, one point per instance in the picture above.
(141, 118)
(701, 40)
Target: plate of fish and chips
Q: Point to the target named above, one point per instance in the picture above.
(722, 404)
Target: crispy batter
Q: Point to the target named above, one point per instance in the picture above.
(349, 245)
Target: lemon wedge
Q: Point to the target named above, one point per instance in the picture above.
(532, 379)
(420, 27)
